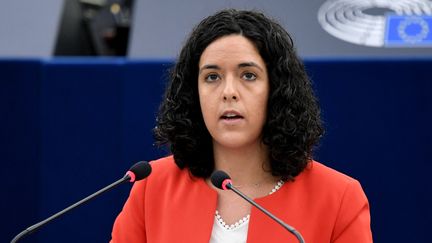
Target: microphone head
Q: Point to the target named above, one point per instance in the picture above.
(139, 171)
(220, 179)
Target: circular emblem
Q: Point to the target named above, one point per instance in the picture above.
(420, 32)
(363, 22)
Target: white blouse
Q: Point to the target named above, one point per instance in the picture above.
(234, 233)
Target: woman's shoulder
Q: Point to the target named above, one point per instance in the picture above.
(326, 181)
(167, 180)
(166, 172)
(166, 167)
(320, 173)
(164, 163)
(342, 199)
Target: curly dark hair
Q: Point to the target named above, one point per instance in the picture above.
(293, 124)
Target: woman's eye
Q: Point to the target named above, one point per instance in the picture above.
(249, 76)
(211, 77)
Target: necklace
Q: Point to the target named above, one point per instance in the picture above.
(246, 218)
(254, 185)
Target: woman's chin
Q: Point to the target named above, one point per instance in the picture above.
(235, 142)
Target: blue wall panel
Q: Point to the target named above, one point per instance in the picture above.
(81, 146)
(19, 145)
(72, 126)
(377, 116)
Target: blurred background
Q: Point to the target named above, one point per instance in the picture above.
(81, 81)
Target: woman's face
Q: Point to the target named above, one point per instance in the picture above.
(233, 89)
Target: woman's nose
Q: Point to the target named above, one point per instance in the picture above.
(230, 92)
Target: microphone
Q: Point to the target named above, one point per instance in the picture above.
(221, 180)
(137, 172)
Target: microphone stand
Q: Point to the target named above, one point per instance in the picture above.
(36, 226)
(283, 224)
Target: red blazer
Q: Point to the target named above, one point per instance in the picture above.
(173, 206)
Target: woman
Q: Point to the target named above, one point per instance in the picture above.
(239, 100)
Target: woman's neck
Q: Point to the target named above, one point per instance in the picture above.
(246, 166)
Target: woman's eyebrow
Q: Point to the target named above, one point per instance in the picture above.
(209, 66)
(241, 65)
(250, 64)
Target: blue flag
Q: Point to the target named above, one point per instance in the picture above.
(408, 31)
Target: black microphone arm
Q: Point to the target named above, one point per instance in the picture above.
(137, 172)
(282, 223)
(222, 180)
